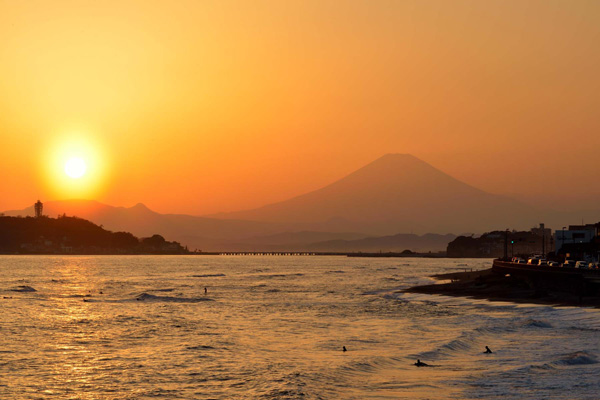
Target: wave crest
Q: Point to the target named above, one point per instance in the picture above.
(150, 297)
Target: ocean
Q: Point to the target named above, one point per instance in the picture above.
(273, 327)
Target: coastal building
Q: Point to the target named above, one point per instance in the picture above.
(576, 234)
(542, 231)
(546, 235)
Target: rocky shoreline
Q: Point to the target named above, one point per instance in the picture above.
(488, 285)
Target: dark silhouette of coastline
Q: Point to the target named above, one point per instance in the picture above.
(72, 235)
(405, 253)
(237, 235)
(563, 288)
(491, 244)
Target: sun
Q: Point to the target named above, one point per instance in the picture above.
(75, 167)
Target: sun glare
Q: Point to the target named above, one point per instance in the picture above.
(75, 167)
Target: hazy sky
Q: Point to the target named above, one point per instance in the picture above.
(199, 107)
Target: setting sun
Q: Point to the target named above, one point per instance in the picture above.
(75, 167)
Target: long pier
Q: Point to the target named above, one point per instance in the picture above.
(276, 253)
(316, 253)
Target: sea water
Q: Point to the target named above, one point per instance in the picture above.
(142, 327)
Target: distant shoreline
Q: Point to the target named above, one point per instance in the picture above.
(239, 253)
(403, 254)
(487, 285)
(108, 254)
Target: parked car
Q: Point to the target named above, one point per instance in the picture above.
(533, 261)
(553, 264)
(581, 264)
(542, 262)
(569, 264)
(521, 261)
(593, 265)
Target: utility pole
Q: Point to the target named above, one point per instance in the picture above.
(506, 244)
(544, 243)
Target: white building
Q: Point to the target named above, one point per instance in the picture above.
(575, 234)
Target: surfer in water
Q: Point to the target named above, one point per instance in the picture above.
(344, 348)
(421, 364)
(487, 350)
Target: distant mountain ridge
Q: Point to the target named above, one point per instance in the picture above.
(393, 243)
(362, 211)
(398, 193)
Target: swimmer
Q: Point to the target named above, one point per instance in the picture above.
(421, 364)
(487, 350)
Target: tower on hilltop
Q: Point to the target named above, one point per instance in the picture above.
(39, 207)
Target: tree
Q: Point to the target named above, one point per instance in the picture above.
(155, 241)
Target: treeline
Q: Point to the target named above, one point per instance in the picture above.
(72, 235)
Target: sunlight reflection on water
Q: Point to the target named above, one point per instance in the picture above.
(139, 327)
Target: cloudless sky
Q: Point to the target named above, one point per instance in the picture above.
(207, 106)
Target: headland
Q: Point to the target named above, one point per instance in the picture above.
(519, 285)
(72, 235)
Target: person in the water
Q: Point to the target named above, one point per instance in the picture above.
(487, 350)
(421, 364)
(344, 348)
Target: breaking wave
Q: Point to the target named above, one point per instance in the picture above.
(151, 297)
(533, 323)
(23, 289)
(577, 358)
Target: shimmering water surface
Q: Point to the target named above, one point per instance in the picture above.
(141, 327)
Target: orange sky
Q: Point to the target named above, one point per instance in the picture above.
(199, 107)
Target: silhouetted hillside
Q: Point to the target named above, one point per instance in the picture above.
(491, 245)
(71, 235)
(195, 232)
